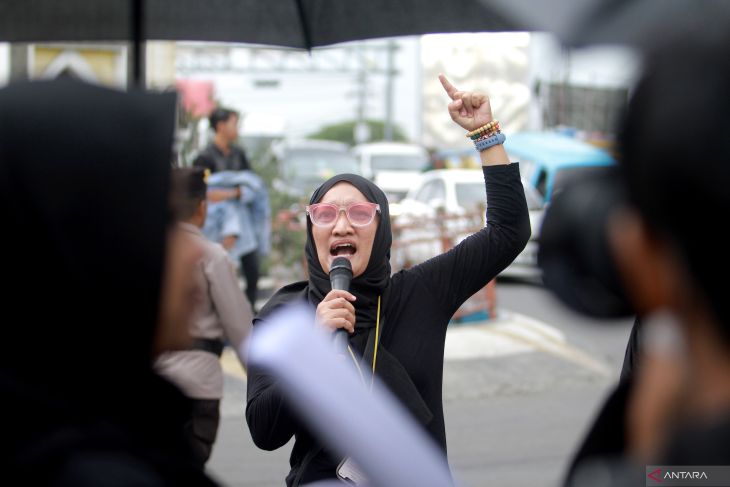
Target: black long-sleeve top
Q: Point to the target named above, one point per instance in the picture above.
(421, 303)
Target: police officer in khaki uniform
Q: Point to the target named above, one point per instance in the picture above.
(224, 313)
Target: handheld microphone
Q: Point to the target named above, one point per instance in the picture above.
(340, 277)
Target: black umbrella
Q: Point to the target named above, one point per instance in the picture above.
(648, 23)
(639, 23)
(290, 23)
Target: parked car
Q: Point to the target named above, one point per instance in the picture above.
(548, 160)
(305, 164)
(392, 166)
(453, 200)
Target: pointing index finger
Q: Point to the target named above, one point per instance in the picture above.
(450, 89)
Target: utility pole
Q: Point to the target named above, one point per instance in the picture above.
(362, 130)
(389, 77)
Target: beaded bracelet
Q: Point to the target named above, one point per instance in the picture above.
(483, 135)
(485, 144)
(484, 128)
(486, 136)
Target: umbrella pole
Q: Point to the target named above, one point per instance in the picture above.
(304, 21)
(137, 35)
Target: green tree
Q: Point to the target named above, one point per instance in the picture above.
(287, 241)
(345, 132)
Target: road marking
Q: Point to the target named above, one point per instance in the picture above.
(231, 365)
(514, 333)
(468, 342)
(511, 334)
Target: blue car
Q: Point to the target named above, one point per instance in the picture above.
(549, 160)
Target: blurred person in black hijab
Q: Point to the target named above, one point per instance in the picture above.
(397, 324)
(98, 282)
(667, 242)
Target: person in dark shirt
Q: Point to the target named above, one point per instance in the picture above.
(223, 154)
(396, 324)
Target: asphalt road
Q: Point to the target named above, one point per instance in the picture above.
(518, 395)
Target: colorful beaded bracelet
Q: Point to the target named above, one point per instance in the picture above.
(486, 136)
(483, 128)
(495, 129)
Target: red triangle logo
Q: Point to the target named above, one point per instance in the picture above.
(656, 475)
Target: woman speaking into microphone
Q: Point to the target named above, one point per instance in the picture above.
(396, 324)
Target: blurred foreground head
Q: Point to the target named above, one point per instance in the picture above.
(675, 142)
(84, 179)
(672, 182)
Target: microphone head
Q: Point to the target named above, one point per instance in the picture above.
(341, 265)
(341, 274)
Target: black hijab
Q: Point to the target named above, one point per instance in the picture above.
(374, 282)
(84, 175)
(376, 278)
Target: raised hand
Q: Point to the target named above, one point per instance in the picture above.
(469, 109)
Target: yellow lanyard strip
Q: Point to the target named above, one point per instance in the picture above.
(375, 351)
(377, 336)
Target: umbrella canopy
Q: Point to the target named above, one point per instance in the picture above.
(289, 23)
(306, 24)
(638, 23)
(311, 23)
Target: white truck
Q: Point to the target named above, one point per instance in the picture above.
(395, 167)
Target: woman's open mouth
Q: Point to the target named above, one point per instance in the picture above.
(343, 249)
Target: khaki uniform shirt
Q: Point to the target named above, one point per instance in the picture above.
(224, 313)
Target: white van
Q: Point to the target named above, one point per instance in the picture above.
(393, 166)
(303, 165)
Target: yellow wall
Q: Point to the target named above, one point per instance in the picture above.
(104, 62)
(109, 63)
